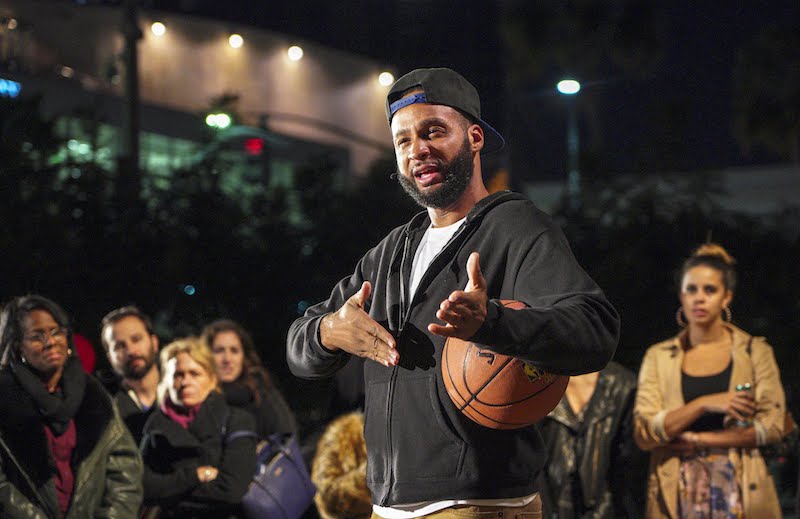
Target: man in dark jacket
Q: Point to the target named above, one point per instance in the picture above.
(132, 350)
(443, 275)
(594, 469)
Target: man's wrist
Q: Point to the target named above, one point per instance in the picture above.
(324, 332)
(485, 333)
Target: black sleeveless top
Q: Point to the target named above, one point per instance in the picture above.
(694, 387)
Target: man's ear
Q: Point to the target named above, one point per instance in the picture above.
(476, 139)
(154, 340)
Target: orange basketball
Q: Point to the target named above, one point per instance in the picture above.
(495, 390)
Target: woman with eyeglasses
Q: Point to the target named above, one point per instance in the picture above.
(64, 452)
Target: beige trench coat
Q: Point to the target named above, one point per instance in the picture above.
(659, 391)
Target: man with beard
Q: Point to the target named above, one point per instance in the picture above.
(444, 274)
(132, 347)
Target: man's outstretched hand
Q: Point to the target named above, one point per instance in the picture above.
(352, 330)
(464, 311)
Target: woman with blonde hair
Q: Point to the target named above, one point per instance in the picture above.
(707, 399)
(192, 467)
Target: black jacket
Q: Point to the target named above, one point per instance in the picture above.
(420, 447)
(172, 454)
(129, 410)
(271, 414)
(595, 470)
(132, 415)
(105, 462)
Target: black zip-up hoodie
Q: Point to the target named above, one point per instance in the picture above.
(419, 446)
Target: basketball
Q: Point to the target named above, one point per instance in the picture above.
(495, 390)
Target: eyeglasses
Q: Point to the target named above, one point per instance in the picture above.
(44, 337)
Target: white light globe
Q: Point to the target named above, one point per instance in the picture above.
(386, 78)
(295, 53)
(568, 87)
(223, 121)
(158, 28)
(235, 41)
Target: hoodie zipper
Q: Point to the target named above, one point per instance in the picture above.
(393, 376)
(405, 312)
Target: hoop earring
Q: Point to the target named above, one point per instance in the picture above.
(69, 352)
(727, 315)
(680, 318)
(23, 359)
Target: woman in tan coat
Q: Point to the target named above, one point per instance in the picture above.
(706, 400)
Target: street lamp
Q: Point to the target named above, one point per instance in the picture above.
(569, 88)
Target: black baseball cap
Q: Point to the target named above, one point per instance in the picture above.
(443, 86)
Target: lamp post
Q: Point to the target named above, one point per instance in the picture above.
(568, 88)
(128, 181)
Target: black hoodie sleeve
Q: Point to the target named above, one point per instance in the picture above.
(568, 326)
(305, 354)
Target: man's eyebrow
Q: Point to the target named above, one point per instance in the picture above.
(430, 121)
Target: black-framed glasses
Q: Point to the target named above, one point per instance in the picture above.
(43, 337)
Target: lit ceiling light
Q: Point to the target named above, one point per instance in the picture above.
(67, 71)
(568, 87)
(12, 24)
(235, 41)
(158, 28)
(295, 53)
(386, 78)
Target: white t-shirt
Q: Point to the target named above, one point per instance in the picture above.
(429, 507)
(433, 241)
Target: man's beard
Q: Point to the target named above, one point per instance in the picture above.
(456, 177)
(138, 373)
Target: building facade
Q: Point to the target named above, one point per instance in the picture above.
(285, 113)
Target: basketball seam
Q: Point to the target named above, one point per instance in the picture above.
(452, 381)
(516, 401)
(476, 411)
(474, 395)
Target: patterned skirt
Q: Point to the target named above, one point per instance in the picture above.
(708, 487)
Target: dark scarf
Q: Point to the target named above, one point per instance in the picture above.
(238, 394)
(59, 408)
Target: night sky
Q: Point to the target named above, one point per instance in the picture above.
(676, 118)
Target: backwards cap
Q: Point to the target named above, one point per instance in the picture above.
(442, 86)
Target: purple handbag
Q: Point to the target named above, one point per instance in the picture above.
(281, 487)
